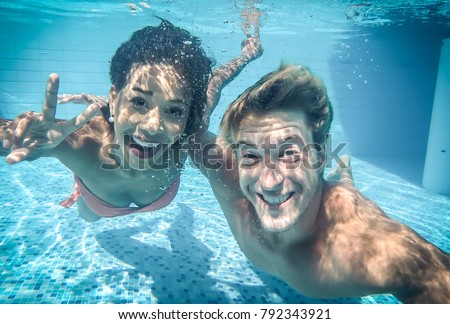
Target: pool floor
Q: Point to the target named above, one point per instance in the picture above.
(184, 253)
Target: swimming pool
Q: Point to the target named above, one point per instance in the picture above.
(185, 253)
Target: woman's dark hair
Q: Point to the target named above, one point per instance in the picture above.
(167, 44)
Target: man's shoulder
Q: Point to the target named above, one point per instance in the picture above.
(344, 204)
(341, 200)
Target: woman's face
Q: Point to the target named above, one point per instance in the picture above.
(150, 113)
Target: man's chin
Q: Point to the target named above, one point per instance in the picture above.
(277, 218)
(279, 223)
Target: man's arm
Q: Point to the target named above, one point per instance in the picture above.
(377, 254)
(428, 272)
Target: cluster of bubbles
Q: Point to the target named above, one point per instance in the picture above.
(251, 13)
(390, 10)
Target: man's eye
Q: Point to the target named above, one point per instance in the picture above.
(290, 155)
(249, 158)
(139, 102)
(290, 152)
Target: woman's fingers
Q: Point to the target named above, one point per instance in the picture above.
(20, 131)
(7, 137)
(18, 155)
(82, 98)
(79, 121)
(35, 133)
(51, 97)
(77, 99)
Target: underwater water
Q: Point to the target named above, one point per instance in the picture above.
(379, 61)
(184, 253)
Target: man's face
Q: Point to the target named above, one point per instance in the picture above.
(279, 167)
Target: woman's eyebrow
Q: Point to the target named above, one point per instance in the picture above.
(150, 93)
(178, 100)
(147, 92)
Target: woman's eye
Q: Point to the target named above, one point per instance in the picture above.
(139, 102)
(175, 111)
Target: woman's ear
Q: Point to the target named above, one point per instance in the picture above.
(112, 99)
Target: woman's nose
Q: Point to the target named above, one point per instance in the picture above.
(152, 123)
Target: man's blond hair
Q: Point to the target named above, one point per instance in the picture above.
(289, 87)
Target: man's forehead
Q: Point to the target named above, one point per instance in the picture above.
(260, 136)
(278, 127)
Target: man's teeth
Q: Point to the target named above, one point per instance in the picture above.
(144, 144)
(276, 200)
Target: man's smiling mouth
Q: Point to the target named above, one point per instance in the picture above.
(275, 201)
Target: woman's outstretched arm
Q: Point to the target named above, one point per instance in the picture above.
(227, 72)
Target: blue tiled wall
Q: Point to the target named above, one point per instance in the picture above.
(380, 79)
(31, 51)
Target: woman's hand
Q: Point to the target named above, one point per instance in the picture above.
(32, 135)
(251, 47)
(84, 99)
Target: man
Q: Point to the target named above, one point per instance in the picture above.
(322, 237)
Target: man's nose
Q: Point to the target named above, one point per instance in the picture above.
(271, 178)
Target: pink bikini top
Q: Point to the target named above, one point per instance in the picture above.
(105, 209)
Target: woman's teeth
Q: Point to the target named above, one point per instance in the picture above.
(144, 144)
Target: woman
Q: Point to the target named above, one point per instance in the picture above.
(129, 160)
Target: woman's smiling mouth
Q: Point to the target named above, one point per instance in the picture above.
(142, 149)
